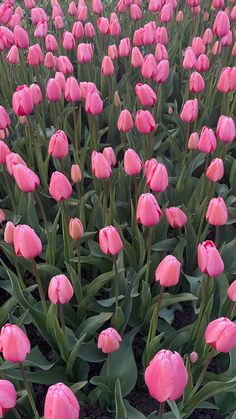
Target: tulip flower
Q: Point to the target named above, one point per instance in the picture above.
(109, 154)
(75, 174)
(60, 290)
(227, 80)
(14, 344)
(8, 396)
(209, 259)
(221, 334)
(190, 111)
(144, 122)
(60, 401)
(207, 141)
(156, 176)
(231, 292)
(26, 242)
(101, 168)
(2, 216)
(110, 241)
(76, 229)
(25, 178)
(13, 55)
(93, 103)
(125, 122)
(35, 55)
(217, 214)
(132, 163)
(215, 170)
(196, 83)
(107, 66)
(53, 90)
(58, 145)
(109, 340)
(22, 102)
(21, 37)
(4, 152)
(168, 271)
(60, 187)
(149, 67)
(145, 94)
(148, 211)
(226, 131)
(36, 94)
(193, 357)
(11, 160)
(9, 233)
(193, 141)
(176, 217)
(221, 25)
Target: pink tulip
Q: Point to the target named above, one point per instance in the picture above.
(149, 67)
(198, 46)
(41, 30)
(215, 170)
(89, 31)
(9, 233)
(100, 167)
(227, 80)
(209, 259)
(218, 4)
(109, 154)
(68, 41)
(35, 55)
(4, 151)
(36, 94)
(112, 52)
(58, 145)
(132, 163)
(231, 292)
(107, 66)
(156, 176)
(29, 4)
(144, 122)
(60, 290)
(179, 16)
(5, 121)
(6, 12)
(51, 43)
(193, 357)
(78, 30)
(189, 59)
(135, 12)
(162, 71)
(53, 90)
(25, 178)
(207, 142)
(61, 80)
(217, 213)
(72, 90)
(109, 340)
(49, 61)
(166, 13)
(221, 334)
(168, 271)
(22, 102)
(196, 83)
(7, 396)
(7, 37)
(75, 173)
(176, 217)
(60, 187)
(190, 111)
(13, 55)
(166, 376)
(93, 103)
(207, 36)
(221, 24)
(21, 37)
(124, 47)
(14, 343)
(138, 37)
(58, 23)
(202, 63)
(217, 48)
(97, 7)
(2, 216)
(103, 25)
(38, 14)
(115, 28)
(136, 57)
(145, 94)
(110, 241)
(11, 160)
(26, 242)
(225, 130)
(125, 122)
(193, 141)
(65, 65)
(148, 211)
(161, 52)
(60, 401)
(76, 229)
(227, 40)
(84, 53)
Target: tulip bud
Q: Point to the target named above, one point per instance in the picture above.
(215, 170)
(9, 233)
(217, 214)
(193, 141)
(190, 111)
(4, 152)
(132, 163)
(2, 216)
(193, 357)
(58, 145)
(225, 130)
(14, 344)
(60, 290)
(144, 122)
(61, 401)
(231, 292)
(221, 334)
(117, 101)
(109, 154)
(22, 102)
(60, 187)
(207, 142)
(53, 90)
(76, 229)
(109, 340)
(156, 175)
(100, 166)
(148, 211)
(176, 217)
(125, 122)
(7, 396)
(75, 173)
(168, 271)
(25, 178)
(145, 94)
(209, 259)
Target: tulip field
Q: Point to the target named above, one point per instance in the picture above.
(118, 209)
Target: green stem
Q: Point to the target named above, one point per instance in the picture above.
(203, 372)
(161, 410)
(135, 191)
(79, 262)
(38, 199)
(27, 387)
(17, 268)
(204, 300)
(230, 312)
(62, 318)
(155, 317)
(5, 174)
(117, 284)
(16, 414)
(109, 366)
(217, 236)
(149, 245)
(65, 220)
(75, 131)
(40, 288)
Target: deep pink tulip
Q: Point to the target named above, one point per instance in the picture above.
(51, 43)
(101, 168)
(145, 94)
(168, 271)
(25, 178)
(166, 376)
(125, 122)
(6, 12)
(144, 122)
(109, 340)
(225, 130)
(148, 211)
(60, 290)
(22, 102)
(109, 154)
(221, 24)
(11, 160)
(35, 55)
(4, 151)
(176, 217)
(26, 242)
(221, 334)
(207, 141)
(60, 187)
(53, 90)
(72, 90)
(196, 83)
(209, 259)
(149, 67)
(231, 292)
(14, 343)
(58, 145)
(217, 213)
(215, 170)
(132, 163)
(110, 241)
(60, 401)
(5, 121)
(93, 103)
(190, 111)
(156, 176)
(107, 66)
(76, 229)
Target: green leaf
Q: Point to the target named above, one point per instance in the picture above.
(92, 324)
(132, 413)
(174, 408)
(120, 408)
(165, 245)
(73, 355)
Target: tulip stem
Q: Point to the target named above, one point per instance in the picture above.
(203, 372)
(230, 312)
(62, 318)
(149, 246)
(16, 414)
(27, 387)
(204, 299)
(109, 366)
(217, 236)
(75, 131)
(116, 282)
(161, 410)
(40, 288)
(79, 262)
(17, 269)
(9, 188)
(155, 316)
(135, 192)
(38, 199)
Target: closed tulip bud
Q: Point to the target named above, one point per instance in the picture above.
(125, 122)
(2, 216)
(196, 10)
(6, 12)
(225, 130)
(190, 111)
(49, 61)
(58, 145)
(179, 16)
(14, 343)
(233, 13)
(161, 35)
(166, 13)
(87, 87)
(168, 271)
(56, 10)
(89, 30)
(217, 48)
(156, 176)
(132, 163)
(112, 52)
(155, 5)
(60, 78)
(78, 30)
(72, 9)
(218, 4)
(36, 94)
(220, 334)
(135, 12)
(38, 14)
(189, 60)
(207, 142)
(115, 28)
(227, 80)
(35, 55)
(72, 90)
(4, 151)
(97, 7)
(117, 101)
(217, 213)
(51, 43)
(29, 4)
(7, 396)
(65, 65)
(166, 367)
(9, 233)
(136, 57)
(26, 242)
(41, 30)
(61, 401)
(138, 37)
(76, 229)
(13, 55)
(207, 36)
(110, 241)
(227, 40)
(25, 178)
(60, 187)
(193, 357)
(109, 154)
(109, 340)
(5, 121)
(196, 83)
(53, 90)
(58, 23)
(124, 47)
(22, 102)
(101, 168)
(68, 41)
(215, 171)
(176, 217)
(148, 211)
(144, 122)
(75, 173)
(198, 46)
(84, 53)
(234, 50)
(60, 290)
(107, 66)
(202, 63)
(21, 37)
(162, 71)
(221, 24)
(161, 52)
(145, 94)
(11, 160)
(103, 25)
(149, 67)
(193, 141)
(93, 103)
(7, 38)
(231, 292)
(209, 259)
